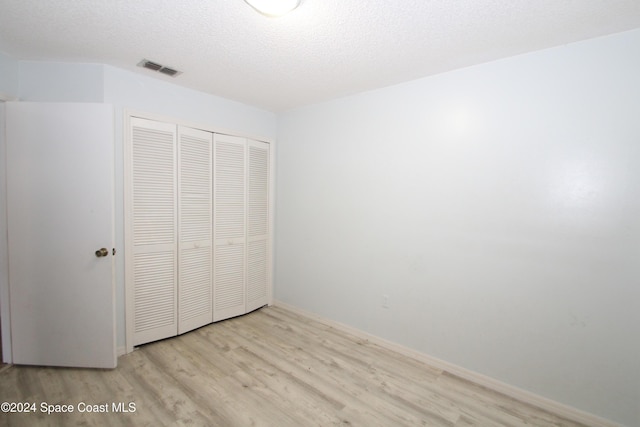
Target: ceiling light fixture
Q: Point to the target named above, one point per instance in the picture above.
(273, 8)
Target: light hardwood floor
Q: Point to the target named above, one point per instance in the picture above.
(268, 368)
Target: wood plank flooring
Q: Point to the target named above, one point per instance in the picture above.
(268, 368)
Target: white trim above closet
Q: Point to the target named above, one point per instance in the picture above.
(198, 221)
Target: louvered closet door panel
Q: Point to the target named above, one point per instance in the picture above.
(229, 226)
(194, 229)
(258, 255)
(152, 230)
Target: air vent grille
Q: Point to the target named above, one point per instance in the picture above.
(150, 65)
(169, 71)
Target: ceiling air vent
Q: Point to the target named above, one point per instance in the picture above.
(145, 63)
(169, 71)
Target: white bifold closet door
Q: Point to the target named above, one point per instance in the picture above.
(230, 253)
(258, 254)
(170, 229)
(194, 229)
(151, 230)
(241, 226)
(197, 228)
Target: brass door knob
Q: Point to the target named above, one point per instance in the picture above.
(102, 252)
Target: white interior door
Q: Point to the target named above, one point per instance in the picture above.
(60, 212)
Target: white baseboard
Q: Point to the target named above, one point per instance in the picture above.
(557, 408)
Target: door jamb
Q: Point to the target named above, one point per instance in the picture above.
(5, 308)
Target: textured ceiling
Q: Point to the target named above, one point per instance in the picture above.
(322, 50)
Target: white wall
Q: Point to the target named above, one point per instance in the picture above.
(60, 82)
(9, 76)
(134, 91)
(498, 208)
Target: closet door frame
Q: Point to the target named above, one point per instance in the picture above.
(128, 114)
